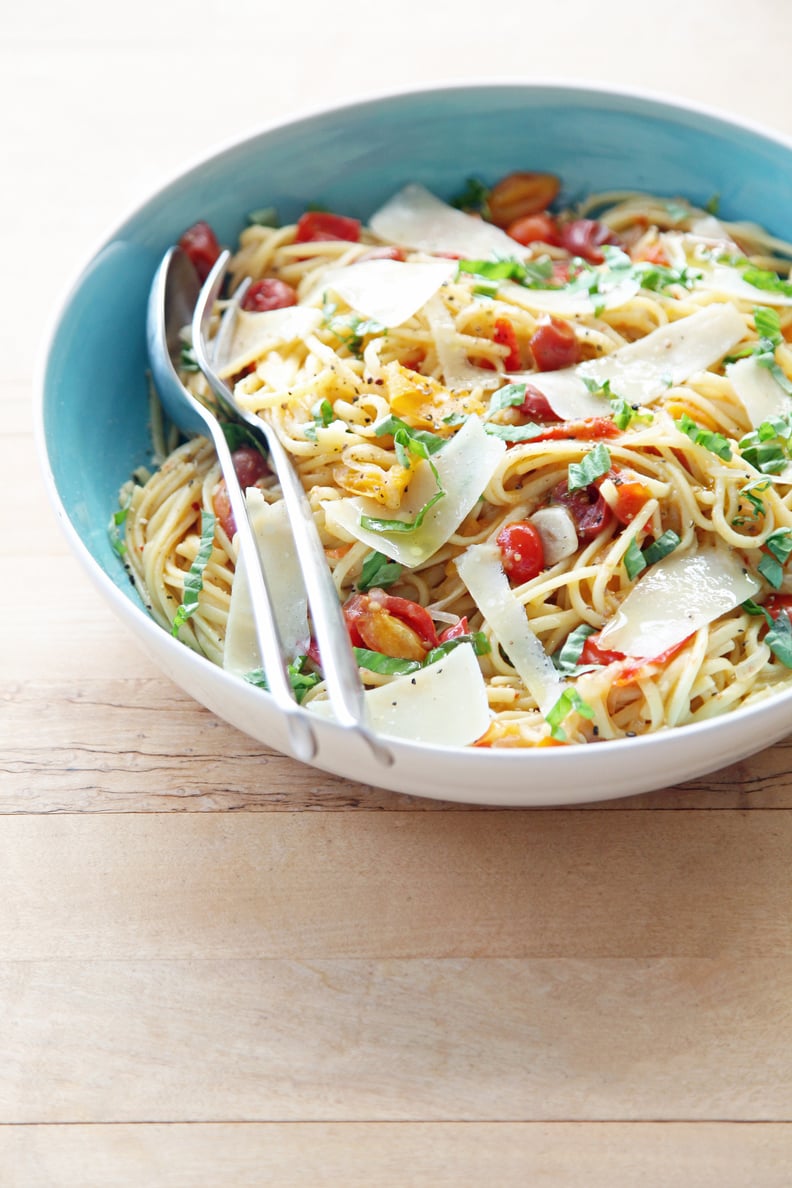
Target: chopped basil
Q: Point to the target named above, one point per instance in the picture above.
(378, 570)
(238, 435)
(508, 397)
(300, 680)
(349, 328)
(407, 440)
(779, 637)
(768, 325)
(116, 524)
(634, 560)
(187, 359)
(377, 524)
(664, 545)
(193, 582)
(385, 665)
(567, 658)
(569, 700)
(767, 281)
(716, 443)
(657, 277)
(477, 639)
(265, 216)
(767, 448)
(752, 493)
(712, 205)
(322, 414)
(475, 196)
(771, 567)
(531, 274)
(591, 466)
(514, 432)
(624, 414)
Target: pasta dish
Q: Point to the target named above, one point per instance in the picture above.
(548, 448)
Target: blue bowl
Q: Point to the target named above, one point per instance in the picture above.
(93, 413)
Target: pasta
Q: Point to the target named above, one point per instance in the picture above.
(558, 440)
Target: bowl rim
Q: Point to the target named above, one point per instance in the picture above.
(606, 750)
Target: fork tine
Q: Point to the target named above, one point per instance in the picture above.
(340, 667)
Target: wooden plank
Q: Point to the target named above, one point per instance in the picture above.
(455, 884)
(359, 1155)
(393, 1040)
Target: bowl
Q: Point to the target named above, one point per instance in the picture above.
(353, 157)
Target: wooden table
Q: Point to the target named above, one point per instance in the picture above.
(218, 967)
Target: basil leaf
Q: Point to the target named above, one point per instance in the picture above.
(771, 567)
(417, 441)
(569, 700)
(265, 216)
(592, 466)
(187, 359)
(300, 680)
(378, 570)
(237, 435)
(116, 524)
(567, 659)
(508, 397)
(385, 665)
(624, 414)
(634, 560)
(771, 571)
(478, 639)
(664, 545)
(376, 524)
(716, 443)
(514, 432)
(779, 637)
(768, 324)
(769, 282)
(475, 196)
(193, 582)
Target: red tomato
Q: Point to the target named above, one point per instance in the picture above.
(460, 628)
(522, 551)
(394, 626)
(535, 228)
(584, 237)
(593, 654)
(631, 495)
(535, 405)
(590, 429)
(200, 244)
(521, 194)
(381, 253)
(269, 293)
(586, 506)
(317, 226)
(554, 345)
(775, 603)
(249, 466)
(505, 335)
(638, 668)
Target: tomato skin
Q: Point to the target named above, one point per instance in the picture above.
(505, 335)
(269, 293)
(519, 194)
(586, 506)
(454, 632)
(554, 345)
(249, 466)
(535, 405)
(319, 226)
(589, 429)
(631, 495)
(522, 551)
(584, 237)
(535, 228)
(199, 243)
(386, 623)
(593, 654)
(774, 604)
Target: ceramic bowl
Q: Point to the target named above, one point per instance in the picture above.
(92, 399)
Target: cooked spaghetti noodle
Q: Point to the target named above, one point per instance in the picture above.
(641, 475)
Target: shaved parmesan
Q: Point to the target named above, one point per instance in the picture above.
(255, 333)
(640, 372)
(761, 395)
(557, 530)
(459, 373)
(676, 597)
(416, 218)
(730, 282)
(570, 301)
(444, 704)
(464, 466)
(285, 583)
(388, 291)
(481, 570)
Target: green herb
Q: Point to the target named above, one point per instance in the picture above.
(779, 637)
(322, 414)
(771, 567)
(531, 274)
(193, 582)
(475, 196)
(657, 277)
(569, 700)
(749, 494)
(767, 281)
(596, 388)
(477, 639)
(187, 359)
(567, 659)
(514, 432)
(624, 414)
(238, 435)
(753, 608)
(712, 206)
(591, 466)
(767, 447)
(716, 443)
(677, 211)
(660, 548)
(385, 665)
(265, 216)
(508, 397)
(116, 524)
(349, 328)
(376, 524)
(378, 570)
(634, 560)
(407, 440)
(300, 680)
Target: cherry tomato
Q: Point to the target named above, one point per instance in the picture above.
(631, 495)
(535, 228)
(584, 237)
(637, 669)
(249, 465)
(505, 335)
(381, 253)
(522, 551)
(590, 429)
(586, 506)
(317, 226)
(554, 345)
(593, 654)
(386, 623)
(454, 632)
(200, 244)
(521, 194)
(774, 604)
(269, 293)
(535, 405)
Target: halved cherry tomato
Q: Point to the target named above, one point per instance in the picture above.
(535, 228)
(199, 243)
(589, 429)
(521, 194)
(554, 345)
(584, 237)
(631, 495)
(593, 654)
(317, 226)
(586, 506)
(454, 632)
(636, 668)
(381, 253)
(535, 405)
(774, 604)
(269, 293)
(250, 466)
(505, 335)
(522, 551)
(655, 254)
(386, 623)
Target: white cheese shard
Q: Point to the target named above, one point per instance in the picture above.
(481, 570)
(255, 333)
(459, 374)
(570, 302)
(760, 393)
(676, 597)
(640, 372)
(464, 466)
(388, 291)
(730, 282)
(415, 218)
(285, 582)
(444, 704)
